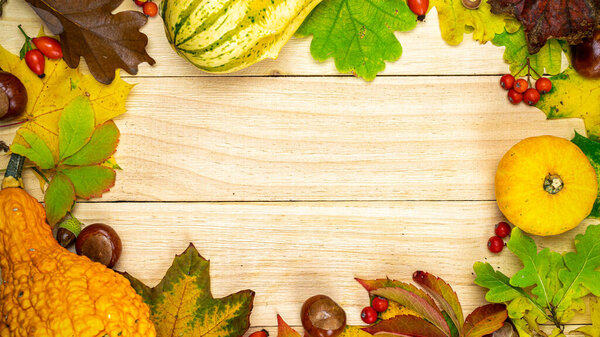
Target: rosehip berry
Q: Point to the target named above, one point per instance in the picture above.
(380, 304)
(502, 229)
(495, 244)
(507, 81)
(36, 62)
(521, 85)
(543, 85)
(514, 97)
(140, 2)
(531, 96)
(150, 9)
(260, 333)
(368, 315)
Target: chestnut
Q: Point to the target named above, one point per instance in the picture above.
(471, 4)
(322, 317)
(13, 96)
(585, 57)
(100, 243)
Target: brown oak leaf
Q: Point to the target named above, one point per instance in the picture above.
(88, 28)
(571, 20)
(2, 2)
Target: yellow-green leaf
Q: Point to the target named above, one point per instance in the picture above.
(59, 198)
(594, 329)
(100, 147)
(75, 126)
(36, 150)
(182, 303)
(91, 181)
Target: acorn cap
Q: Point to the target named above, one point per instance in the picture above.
(72, 225)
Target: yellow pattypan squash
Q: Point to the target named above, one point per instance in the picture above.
(46, 290)
(545, 185)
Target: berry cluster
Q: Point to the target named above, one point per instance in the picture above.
(45, 46)
(148, 7)
(522, 90)
(496, 242)
(369, 314)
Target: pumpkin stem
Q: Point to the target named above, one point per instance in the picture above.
(553, 183)
(12, 176)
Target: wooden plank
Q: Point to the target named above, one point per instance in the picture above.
(287, 252)
(407, 138)
(424, 51)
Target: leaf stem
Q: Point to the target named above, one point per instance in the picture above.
(13, 124)
(38, 171)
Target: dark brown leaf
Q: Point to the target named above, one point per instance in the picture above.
(88, 28)
(571, 20)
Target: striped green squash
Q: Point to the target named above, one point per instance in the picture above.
(228, 35)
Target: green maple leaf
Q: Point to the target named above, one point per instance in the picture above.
(592, 150)
(358, 34)
(182, 303)
(547, 61)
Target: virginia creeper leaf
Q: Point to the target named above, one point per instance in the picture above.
(36, 150)
(90, 181)
(59, 198)
(88, 28)
(75, 126)
(592, 151)
(500, 289)
(455, 20)
(406, 325)
(594, 329)
(182, 303)
(358, 34)
(571, 20)
(416, 304)
(101, 146)
(547, 61)
(444, 294)
(372, 285)
(485, 320)
(574, 96)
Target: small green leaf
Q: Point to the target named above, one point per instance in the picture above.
(75, 126)
(592, 150)
(38, 152)
(59, 198)
(101, 146)
(91, 181)
(500, 289)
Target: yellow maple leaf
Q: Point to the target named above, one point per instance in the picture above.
(455, 20)
(49, 96)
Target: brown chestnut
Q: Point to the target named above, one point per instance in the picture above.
(585, 57)
(100, 243)
(13, 96)
(322, 317)
(471, 4)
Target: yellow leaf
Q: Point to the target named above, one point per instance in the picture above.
(49, 96)
(594, 329)
(394, 309)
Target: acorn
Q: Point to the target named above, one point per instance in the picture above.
(68, 231)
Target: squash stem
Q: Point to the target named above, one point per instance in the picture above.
(553, 183)
(12, 176)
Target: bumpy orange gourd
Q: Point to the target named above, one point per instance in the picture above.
(545, 185)
(47, 291)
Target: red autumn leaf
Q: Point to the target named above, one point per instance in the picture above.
(571, 20)
(406, 325)
(88, 28)
(485, 320)
(443, 293)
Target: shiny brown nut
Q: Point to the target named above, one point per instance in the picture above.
(585, 56)
(100, 243)
(13, 96)
(471, 4)
(322, 317)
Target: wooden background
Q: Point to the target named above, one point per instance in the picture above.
(293, 179)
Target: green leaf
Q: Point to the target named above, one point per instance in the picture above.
(91, 181)
(75, 126)
(500, 289)
(182, 303)
(592, 150)
(443, 293)
(358, 34)
(485, 320)
(547, 60)
(594, 329)
(539, 269)
(59, 198)
(405, 325)
(38, 152)
(100, 147)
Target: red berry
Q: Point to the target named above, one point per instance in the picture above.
(543, 85)
(140, 2)
(36, 62)
(495, 244)
(48, 46)
(514, 97)
(260, 333)
(503, 229)
(531, 96)
(419, 7)
(521, 85)
(507, 81)
(150, 9)
(380, 304)
(368, 315)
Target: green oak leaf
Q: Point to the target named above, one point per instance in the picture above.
(38, 152)
(594, 329)
(59, 198)
(592, 150)
(358, 34)
(75, 126)
(90, 181)
(182, 303)
(500, 289)
(100, 147)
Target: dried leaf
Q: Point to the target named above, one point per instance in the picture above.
(485, 320)
(88, 28)
(405, 326)
(182, 303)
(444, 294)
(571, 20)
